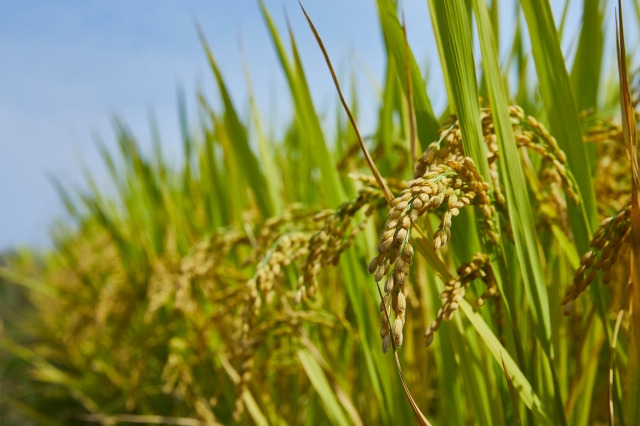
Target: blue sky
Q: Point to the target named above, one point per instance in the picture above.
(68, 67)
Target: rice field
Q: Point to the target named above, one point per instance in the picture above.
(475, 265)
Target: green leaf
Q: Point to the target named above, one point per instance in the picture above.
(500, 354)
(562, 112)
(306, 116)
(513, 178)
(240, 141)
(427, 125)
(456, 55)
(585, 73)
(322, 386)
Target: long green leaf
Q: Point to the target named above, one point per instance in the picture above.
(452, 20)
(500, 354)
(560, 104)
(306, 116)
(427, 126)
(321, 384)
(240, 140)
(519, 205)
(585, 73)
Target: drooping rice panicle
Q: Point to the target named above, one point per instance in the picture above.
(454, 290)
(612, 237)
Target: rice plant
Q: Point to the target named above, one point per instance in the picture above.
(478, 266)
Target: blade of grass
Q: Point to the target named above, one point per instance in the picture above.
(585, 73)
(327, 369)
(413, 143)
(610, 394)
(519, 205)
(562, 112)
(385, 130)
(457, 57)
(476, 377)
(265, 151)
(236, 201)
(322, 386)
(512, 392)
(318, 144)
(238, 135)
(427, 125)
(306, 117)
(501, 356)
(187, 143)
(631, 142)
(212, 182)
(587, 65)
